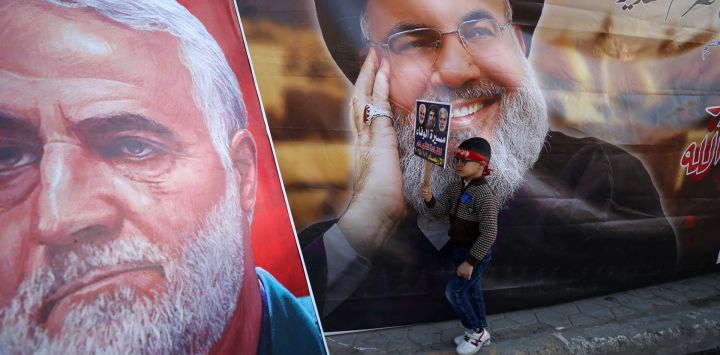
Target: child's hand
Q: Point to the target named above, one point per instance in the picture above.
(465, 270)
(426, 193)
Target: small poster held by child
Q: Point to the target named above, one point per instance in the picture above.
(432, 127)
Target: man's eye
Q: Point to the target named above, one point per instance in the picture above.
(414, 44)
(478, 30)
(16, 156)
(130, 148)
(480, 33)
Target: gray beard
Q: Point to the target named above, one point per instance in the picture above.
(203, 287)
(516, 142)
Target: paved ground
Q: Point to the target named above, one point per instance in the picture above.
(681, 317)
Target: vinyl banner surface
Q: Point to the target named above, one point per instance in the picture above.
(603, 122)
(141, 209)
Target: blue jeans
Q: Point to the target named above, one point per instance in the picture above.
(466, 296)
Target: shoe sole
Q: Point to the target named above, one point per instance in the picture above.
(457, 342)
(476, 350)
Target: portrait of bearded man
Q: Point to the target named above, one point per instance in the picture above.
(443, 120)
(580, 217)
(127, 187)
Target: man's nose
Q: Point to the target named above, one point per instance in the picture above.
(454, 66)
(75, 203)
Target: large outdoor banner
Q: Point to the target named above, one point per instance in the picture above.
(141, 209)
(603, 122)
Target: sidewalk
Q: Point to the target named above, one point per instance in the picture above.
(679, 317)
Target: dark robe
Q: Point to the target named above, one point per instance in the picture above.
(587, 221)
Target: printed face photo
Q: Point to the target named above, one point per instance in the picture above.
(127, 184)
(431, 118)
(97, 174)
(443, 121)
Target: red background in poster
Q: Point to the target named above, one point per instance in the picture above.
(274, 242)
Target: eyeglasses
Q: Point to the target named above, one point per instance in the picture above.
(422, 45)
(461, 161)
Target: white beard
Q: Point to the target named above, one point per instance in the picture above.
(203, 287)
(516, 142)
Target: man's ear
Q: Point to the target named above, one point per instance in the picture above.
(520, 39)
(244, 160)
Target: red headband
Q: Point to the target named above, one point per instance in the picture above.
(474, 156)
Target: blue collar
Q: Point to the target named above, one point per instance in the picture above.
(265, 339)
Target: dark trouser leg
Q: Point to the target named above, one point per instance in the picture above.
(465, 296)
(476, 293)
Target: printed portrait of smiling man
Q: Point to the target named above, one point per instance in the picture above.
(127, 187)
(580, 216)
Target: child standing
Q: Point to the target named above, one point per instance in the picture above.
(473, 210)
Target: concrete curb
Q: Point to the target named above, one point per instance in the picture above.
(676, 333)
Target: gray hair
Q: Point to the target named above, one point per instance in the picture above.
(216, 92)
(365, 28)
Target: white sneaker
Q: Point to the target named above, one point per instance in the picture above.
(459, 339)
(472, 342)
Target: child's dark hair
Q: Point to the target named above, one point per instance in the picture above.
(476, 149)
(477, 145)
